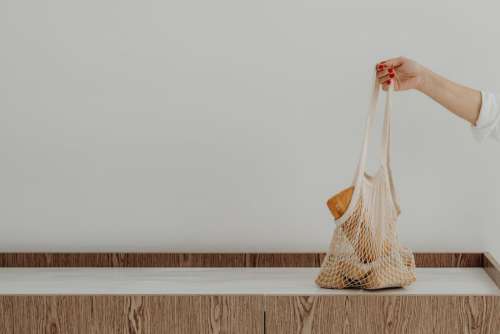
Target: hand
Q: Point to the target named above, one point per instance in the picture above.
(405, 73)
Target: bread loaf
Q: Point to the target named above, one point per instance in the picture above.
(339, 203)
(342, 275)
(389, 273)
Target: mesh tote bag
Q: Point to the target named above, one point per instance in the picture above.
(365, 251)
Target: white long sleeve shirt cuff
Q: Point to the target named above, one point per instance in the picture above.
(488, 122)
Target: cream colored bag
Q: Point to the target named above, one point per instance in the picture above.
(365, 251)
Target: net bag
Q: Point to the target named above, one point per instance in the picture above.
(365, 251)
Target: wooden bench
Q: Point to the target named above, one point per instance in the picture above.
(237, 293)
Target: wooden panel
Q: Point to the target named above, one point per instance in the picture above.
(7, 316)
(230, 314)
(132, 314)
(63, 314)
(138, 317)
(210, 259)
(492, 268)
(78, 311)
(382, 314)
(449, 259)
(283, 259)
(196, 314)
(28, 314)
(122, 259)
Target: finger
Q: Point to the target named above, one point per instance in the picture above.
(394, 62)
(381, 66)
(385, 84)
(386, 71)
(382, 73)
(383, 79)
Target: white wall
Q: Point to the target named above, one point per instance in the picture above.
(225, 125)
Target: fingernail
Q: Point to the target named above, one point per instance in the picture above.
(380, 67)
(388, 82)
(391, 75)
(391, 70)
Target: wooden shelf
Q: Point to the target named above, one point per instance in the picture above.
(240, 293)
(224, 281)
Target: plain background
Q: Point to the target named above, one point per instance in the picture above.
(225, 125)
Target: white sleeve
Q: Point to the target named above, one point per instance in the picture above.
(488, 122)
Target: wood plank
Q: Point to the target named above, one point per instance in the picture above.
(182, 260)
(382, 314)
(122, 259)
(159, 314)
(283, 259)
(232, 314)
(28, 314)
(132, 314)
(210, 259)
(7, 316)
(137, 314)
(202, 314)
(76, 313)
(107, 314)
(66, 314)
(441, 260)
(187, 315)
(492, 268)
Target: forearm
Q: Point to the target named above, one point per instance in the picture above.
(462, 101)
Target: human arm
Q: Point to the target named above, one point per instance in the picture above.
(407, 74)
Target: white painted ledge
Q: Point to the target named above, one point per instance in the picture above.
(227, 281)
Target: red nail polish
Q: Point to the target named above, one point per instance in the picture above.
(388, 82)
(391, 75)
(380, 67)
(391, 70)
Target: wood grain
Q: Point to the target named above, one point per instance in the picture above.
(28, 315)
(440, 260)
(382, 314)
(225, 309)
(122, 259)
(492, 268)
(131, 314)
(158, 314)
(283, 259)
(7, 315)
(210, 259)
